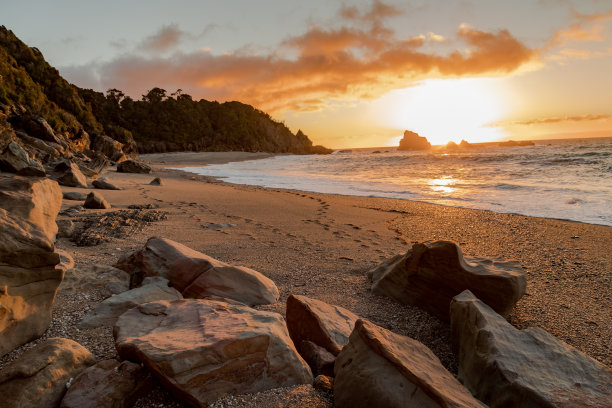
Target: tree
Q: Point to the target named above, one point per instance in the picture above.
(155, 95)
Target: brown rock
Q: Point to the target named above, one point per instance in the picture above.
(103, 184)
(38, 378)
(103, 278)
(412, 141)
(108, 384)
(378, 368)
(72, 176)
(430, 274)
(108, 146)
(95, 201)
(156, 182)
(15, 159)
(66, 260)
(197, 275)
(323, 383)
(133, 166)
(326, 325)
(319, 360)
(28, 276)
(75, 196)
(65, 228)
(507, 367)
(203, 349)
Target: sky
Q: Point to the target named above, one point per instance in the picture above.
(349, 73)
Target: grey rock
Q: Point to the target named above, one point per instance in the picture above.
(507, 367)
(74, 196)
(107, 312)
(105, 279)
(72, 176)
(15, 159)
(430, 275)
(65, 228)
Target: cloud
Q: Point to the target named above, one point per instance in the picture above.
(581, 118)
(165, 39)
(360, 59)
(589, 27)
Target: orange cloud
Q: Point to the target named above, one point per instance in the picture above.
(588, 28)
(322, 64)
(581, 118)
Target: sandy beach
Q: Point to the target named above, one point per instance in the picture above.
(321, 246)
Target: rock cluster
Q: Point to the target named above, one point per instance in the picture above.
(28, 275)
(197, 275)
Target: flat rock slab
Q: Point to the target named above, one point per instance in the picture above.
(326, 325)
(507, 367)
(107, 312)
(197, 275)
(74, 196)
(379, 368)
(104, 184)
(108, 384)
(430, 275)
(38, 378)
(204, 349)
(104, 278)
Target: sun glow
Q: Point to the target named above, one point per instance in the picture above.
(447, 110)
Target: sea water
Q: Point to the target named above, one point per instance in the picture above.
(565, 179)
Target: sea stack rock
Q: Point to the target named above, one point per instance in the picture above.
(412, 141)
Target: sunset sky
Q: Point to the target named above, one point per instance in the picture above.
(349, 73)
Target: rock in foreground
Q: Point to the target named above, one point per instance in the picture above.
(325, 325)
(197, 275)
(108, 384)
(38, 378)
(379, 368)
(204, 349)
(28, 276)
(430, 275)
(507, 367)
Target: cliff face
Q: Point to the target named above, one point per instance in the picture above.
(412, 141)
(156, 123)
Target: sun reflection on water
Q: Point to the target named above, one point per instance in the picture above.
(443, 184)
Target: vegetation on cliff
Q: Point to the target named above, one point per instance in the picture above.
(158, 122)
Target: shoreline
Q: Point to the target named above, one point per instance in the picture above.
(322, 245)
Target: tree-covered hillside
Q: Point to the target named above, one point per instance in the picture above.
(158, 122)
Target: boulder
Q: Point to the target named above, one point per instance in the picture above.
(36, 126)
(28, 276)
(103, 184)
(15, 159)
(103, 278)
(71, 176)
(74, 196)
(203, 349)
(96, 201)
(379, 368)
(197, 275)
(108, 384)
(108, 146)
(323, 383)
(319, 360)
(133, 166)
(412, 141)
(65, 228)
(156, 182)
(107, 312)
(313, 320)
(507, 367)
(38, 378)
(430, 275)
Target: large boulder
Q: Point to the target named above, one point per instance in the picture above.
(109, 147)
(15, 159)
(108, 384)
(197, 275)
(412, 141)
(107, 312)
(203, 349)
(379, 368)
(28, 276)
(326, 325)
(71, 175)
(430, 275)
(38, 378)
(133, 166)
(507, 367)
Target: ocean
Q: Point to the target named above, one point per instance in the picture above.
(565, 179)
